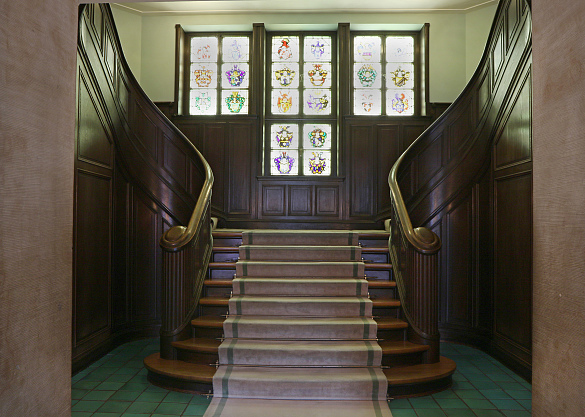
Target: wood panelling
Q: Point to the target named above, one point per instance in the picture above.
(300, 200)
(327, 201)
(513, 259)
(360, 162)
(242, 151)
(273, 203)
(92, 255)
(145, 129)
(411, 133)
(388, 144)
(429, 161)
(514, 144)
(460, 128)
(175, 161)
(214, 150)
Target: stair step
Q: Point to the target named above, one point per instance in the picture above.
(390, 323)
(214, 301)
(219, 301)
(178, 369)
(425, 372)
(301, 253)
(198, 344)
(210, 322)
(390, 347)
(299, 353)
(301, 306)
(273, 269)
(381, 284)
(300, 383)
(217, 283)
(300, 237)
(301, 328)
(300, 286)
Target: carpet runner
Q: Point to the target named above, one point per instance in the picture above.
(299, 339)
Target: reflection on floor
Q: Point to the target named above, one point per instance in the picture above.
(116, 386)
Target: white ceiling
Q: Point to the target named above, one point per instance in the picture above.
(309, 6)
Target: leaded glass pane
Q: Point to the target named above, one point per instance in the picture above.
(204, 49)
(204, 75)
(203, 102)
(367, 102)
(317, 48)
(235, 75)
(399, 102)
(317, 101)
(284, 162)
(316, 162)
(284, 136)
(285, 102)
(367, 75)
(235, 49)
(367, 48)
(317, 75)
(234, 102)
(399, 75)
(399, 49)
(317, 136)
(285, 48)
(285, 75)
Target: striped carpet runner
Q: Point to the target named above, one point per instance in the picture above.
(300, 340)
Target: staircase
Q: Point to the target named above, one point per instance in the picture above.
(296, 305)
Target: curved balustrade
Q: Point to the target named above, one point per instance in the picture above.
(447, 163)
(160, 190)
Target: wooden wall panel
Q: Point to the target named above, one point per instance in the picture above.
(300, 200)
(429, 161)
(242, 163)
(410, 133)
(145, 243)
(121, 301)
(513, 260)
(92, 255)
(145, 129)
(273, 203)
(175, 161)
(388, 151)
(214, 152)
(327, 201)
(361, 153)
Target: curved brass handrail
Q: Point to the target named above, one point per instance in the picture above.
(178, 237)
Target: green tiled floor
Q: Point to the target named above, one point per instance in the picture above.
(116, 386)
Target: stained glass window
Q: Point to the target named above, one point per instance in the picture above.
(383, 77)
(219, 77)
(302, 86)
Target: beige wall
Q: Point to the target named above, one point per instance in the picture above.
(37, 122)
(478, 23)
(451, 40)
(559, 209)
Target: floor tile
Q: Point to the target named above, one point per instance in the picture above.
(171, 409)
(459, 412)
(507, 405)
(451, 403)
(516, 413)
(400, 403)
(519, 394)
(423, 402)
(114, 407)
(429, 412)
(404, 413)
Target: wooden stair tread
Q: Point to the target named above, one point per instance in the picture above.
(222, 265)
(375, 235)
(381, 284)
(234, 249)
(375, 266)
(218, 283)
(220, 234)
(214, 301)
(385, 302)
(393, 347)
(375, 249)
(389, 323)
(198, 344)
(425, 372)
(208, 321)
(178, 369)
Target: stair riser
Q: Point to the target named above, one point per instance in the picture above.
(302, 239)
(321, 269)
(245, 383)
(300, 254)
(197, 357)
(402, 360)
(239, 306)
(216, 273)
(299, 288)
(304, 332)
(299, 357)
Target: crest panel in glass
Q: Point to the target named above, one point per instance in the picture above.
(285, 75)
(285, 49)
(317, 102)
(204, 49)
(285, 102)
(316, 162)
(284, 136)
(234, 102)
(367, 102)
(204, 75)
(317, 75)
(316, 136)
(203, 102)
(235, 75)
(317, 48)
(367, 48)
(399, 102)
(284, 162)
(235, 49)
(367, 75)
(399, 75)
(399, 49)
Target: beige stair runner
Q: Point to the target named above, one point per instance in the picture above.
(300, 340)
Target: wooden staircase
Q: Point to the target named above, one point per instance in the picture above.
(196, 358)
